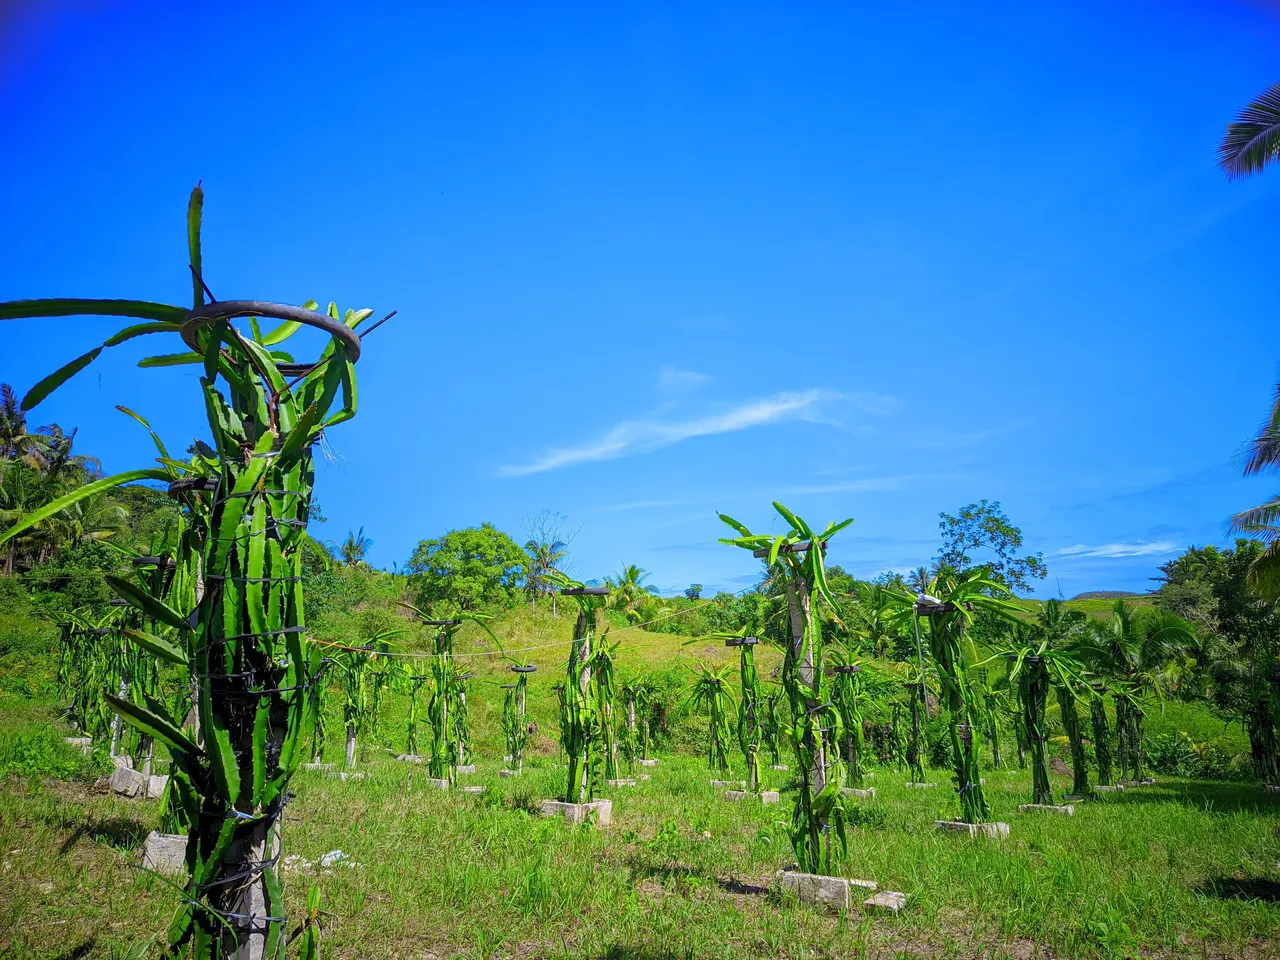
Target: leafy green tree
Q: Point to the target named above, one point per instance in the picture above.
(467, 569)
(983, 526)
(693, 591)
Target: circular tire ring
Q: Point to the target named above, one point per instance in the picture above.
(193, 320)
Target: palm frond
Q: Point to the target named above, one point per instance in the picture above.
(1252, 140)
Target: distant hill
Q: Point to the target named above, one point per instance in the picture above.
(1106, 595)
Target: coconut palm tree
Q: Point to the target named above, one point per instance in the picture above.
(1251, 142)
(629, 591)
(354, 548)
(544, 556)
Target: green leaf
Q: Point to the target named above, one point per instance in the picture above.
(164, 454)
(157, 609)
(735, 524)
(140, 330)
(158, 646)
(153, 725)
(195, 209)
(58, 378)
(170, 360)
(281, 333)
(78, 494)
(142, 309)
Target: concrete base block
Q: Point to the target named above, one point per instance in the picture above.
(732, 784)
(868, 794)
(317, 766)
(1272, 788)
(411, 758)
(624, 782)
(1112, 788)
(598, 811)
(122, 760)
(887, 901)
(475, 790)
(994, 831)
(1066, 810)
(648, 763)
(506, 773)
(165, 853)
(815, 888)
(156, 786)
(436, 783)
(780, 766)
(469, 768)
(129, 783)
(83, 744)
(644, 776)
(766, 797)
(345, 775)
(921, 786)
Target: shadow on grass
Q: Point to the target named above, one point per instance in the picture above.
(1251, 888)
(78, 952)
(1205, 794)
(126, 833)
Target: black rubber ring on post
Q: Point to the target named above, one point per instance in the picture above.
(230, 309)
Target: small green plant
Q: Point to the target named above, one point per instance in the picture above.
(709, 691)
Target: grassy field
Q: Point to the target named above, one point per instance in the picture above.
(1179, 868)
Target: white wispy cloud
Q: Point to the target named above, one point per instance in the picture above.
(1138, 548)
(673, 379)
(632, 437)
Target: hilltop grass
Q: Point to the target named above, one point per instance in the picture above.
(1178, 869)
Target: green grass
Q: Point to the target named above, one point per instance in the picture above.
(1181, 868)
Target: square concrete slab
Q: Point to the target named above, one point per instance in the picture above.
(469, 768)
(766, 797)
(155, 786)
(921, 786)
(317, 766)
(165, 853)
(648, 763)
(1112, 788)
(506, 773)
(436, 783)
(1066, 810)
(732, 784)
(624, 782)
(475, 790)
(599, 812)
(83, 744)
(410, 758)
(993, 831)
(886, 901)
(868, 794)
(1272, 788)
(780, 766)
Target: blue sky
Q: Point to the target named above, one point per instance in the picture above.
(661, 260)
